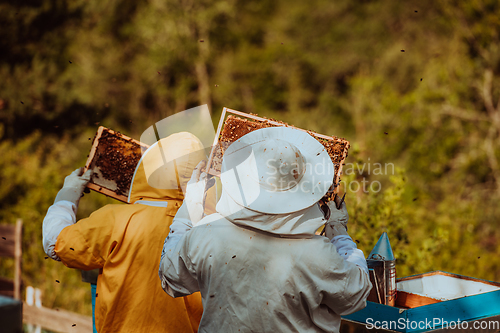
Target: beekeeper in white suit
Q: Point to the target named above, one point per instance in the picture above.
(257, 261)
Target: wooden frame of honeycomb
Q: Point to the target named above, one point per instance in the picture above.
(234, 124)
(113, 158)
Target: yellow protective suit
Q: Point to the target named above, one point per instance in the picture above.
(125, 242)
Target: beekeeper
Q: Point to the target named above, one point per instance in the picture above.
(257, 261)
(125, 241)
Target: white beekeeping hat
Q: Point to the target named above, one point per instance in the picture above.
(276, 170)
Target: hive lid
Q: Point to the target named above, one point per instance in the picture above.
(382, 250)
(445, 286)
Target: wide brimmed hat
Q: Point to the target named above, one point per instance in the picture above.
(276, 170)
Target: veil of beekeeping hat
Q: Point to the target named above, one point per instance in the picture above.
(166, 167)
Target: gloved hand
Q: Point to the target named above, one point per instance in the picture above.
(337, 223)
(192, 207)
(73, 187)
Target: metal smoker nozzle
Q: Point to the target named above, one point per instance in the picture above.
(382, 250)
(382, 268)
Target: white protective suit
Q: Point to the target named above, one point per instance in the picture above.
(264, 273)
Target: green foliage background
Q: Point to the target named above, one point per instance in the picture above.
(414, 84)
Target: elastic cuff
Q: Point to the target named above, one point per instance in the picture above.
(51, 253)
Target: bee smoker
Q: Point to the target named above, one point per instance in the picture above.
(382, 269)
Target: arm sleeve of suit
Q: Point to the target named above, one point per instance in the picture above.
(84, 245)
(350, 291)
(59, 216)
(177, 274)
(348, 250)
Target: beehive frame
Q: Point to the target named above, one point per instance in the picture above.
(95, 183)
(217, 149)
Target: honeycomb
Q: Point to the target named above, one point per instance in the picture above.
(114, 162)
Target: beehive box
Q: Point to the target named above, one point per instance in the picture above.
(435, 301)
(113, 159)
(234, 124)
(435, 287)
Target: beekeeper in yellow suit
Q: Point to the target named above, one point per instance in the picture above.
(125, 241)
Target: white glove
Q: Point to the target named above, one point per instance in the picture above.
(192, 207)
(73, 187)
(337, 223)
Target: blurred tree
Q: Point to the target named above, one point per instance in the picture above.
(439, 119)
(31, 172)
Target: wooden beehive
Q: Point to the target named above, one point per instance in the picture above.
(440, 298)
(234, 124)
(113, 159)
(434, 287)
